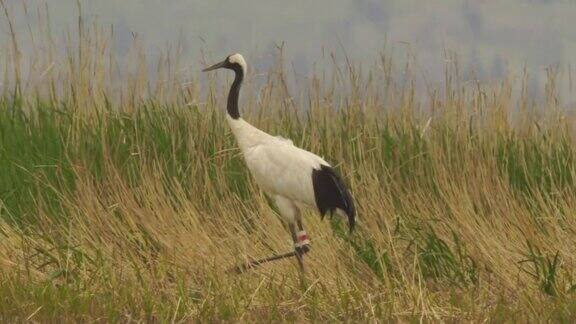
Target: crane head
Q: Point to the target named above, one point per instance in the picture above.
(232, 62)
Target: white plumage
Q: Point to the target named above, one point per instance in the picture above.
(279, 167)
(291, 176)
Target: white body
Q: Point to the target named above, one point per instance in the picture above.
(281, 169)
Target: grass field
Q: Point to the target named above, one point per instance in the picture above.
(124, 199)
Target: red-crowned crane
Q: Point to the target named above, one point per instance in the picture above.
(291, 176)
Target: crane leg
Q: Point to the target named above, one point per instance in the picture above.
(297, 247)
(291, 216)
(302, 236)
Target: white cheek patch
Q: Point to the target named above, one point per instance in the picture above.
(239, 59)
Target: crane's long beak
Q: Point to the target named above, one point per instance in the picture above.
(215, 66)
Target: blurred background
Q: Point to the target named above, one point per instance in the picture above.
(491, 39)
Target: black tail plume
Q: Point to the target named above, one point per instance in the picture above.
(331, 193)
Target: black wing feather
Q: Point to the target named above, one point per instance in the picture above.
(330, 193)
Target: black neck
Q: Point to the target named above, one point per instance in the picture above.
(235, 93)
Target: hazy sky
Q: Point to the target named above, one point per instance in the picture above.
(489, 36)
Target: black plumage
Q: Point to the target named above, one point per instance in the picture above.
(234, 93)
(330, 193)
